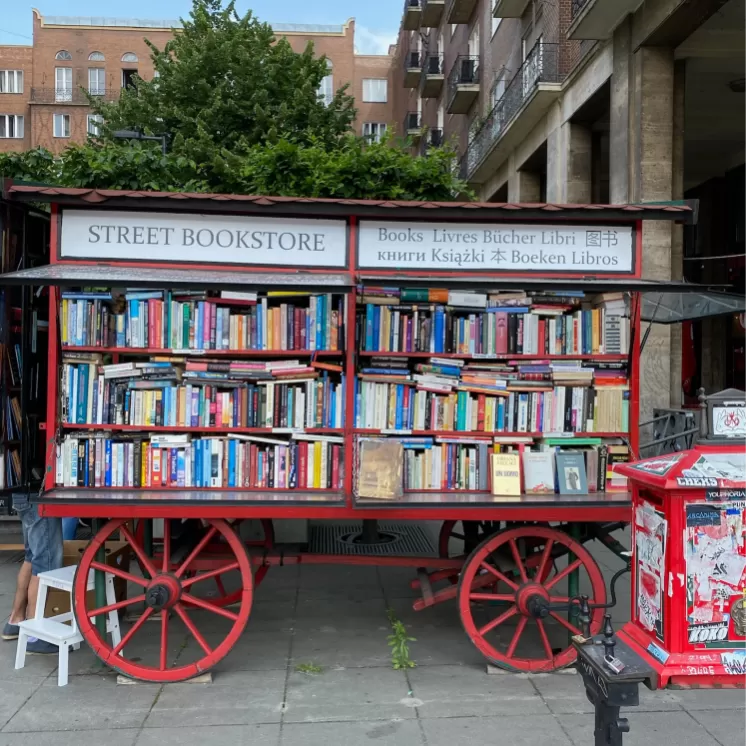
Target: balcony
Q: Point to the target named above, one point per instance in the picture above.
(412, 69)
(432, 12)
(433, 139)
(71, 96)
(463, 84)
(459, 11)
(431, 77)
(597, 19)
(413, 125)
(529, 94)
(509, 8)
(412, 15)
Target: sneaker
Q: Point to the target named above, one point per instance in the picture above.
(41, 647)
(10, 631)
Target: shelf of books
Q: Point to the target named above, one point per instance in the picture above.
(197, 391)
(475, 397)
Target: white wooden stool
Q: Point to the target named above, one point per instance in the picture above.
(53, 629)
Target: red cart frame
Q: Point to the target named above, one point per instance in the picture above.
(518, 530)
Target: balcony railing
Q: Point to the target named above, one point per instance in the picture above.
(75, 96)
(433, 139)
(412, 14)
(412, 68)
(463, 84)
(412, 122)
(540, 66)
(576, 6)
(431, 78)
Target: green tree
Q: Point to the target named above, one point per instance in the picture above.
(224, 82)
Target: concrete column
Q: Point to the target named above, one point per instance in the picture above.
(569, 164)
(527, 186)
(650, 180)
(620, 115)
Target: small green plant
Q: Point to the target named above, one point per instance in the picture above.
(399, 643)
(311, 669)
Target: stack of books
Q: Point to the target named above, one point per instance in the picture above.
(184, 320)
(442, 464)
(179, 392)
(447, 394)
(467, 323)
(180, 460)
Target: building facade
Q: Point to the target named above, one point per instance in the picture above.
(42, 99)
(598, 101)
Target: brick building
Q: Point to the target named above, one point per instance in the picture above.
(42, 104)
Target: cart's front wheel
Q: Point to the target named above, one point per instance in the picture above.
(510, 618)
(175, 635)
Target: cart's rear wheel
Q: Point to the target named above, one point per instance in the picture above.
(460, 538)
(512, 628)
(168, 593)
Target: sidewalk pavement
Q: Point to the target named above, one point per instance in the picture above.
(336, 618)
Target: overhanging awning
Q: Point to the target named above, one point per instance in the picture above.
(109, 275)
(663, 307)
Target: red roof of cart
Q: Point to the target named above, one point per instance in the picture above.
(685, 211)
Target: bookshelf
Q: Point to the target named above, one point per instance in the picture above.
(24, 243)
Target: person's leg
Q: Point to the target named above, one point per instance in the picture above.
(21, 598)
(69, 528)
(33, 592)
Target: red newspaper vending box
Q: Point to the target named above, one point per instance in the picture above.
(689, 554)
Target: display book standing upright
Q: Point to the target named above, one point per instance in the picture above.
(24, 242)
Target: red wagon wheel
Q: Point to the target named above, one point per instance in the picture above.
(518, 638)
(452, 540)
(226, 597)
(170, 593)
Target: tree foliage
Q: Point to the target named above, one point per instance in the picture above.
(243, 115)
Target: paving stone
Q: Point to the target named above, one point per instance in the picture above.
(110, 737)
(349, 694)
(378, 732)
(226, 735)
(725, 725)
(526, 730)
(710, 699)
(453, 691)
(347, 648)
(234, 698)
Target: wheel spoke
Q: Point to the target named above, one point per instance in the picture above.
(204, 541)
(562, 573)
(454, 535)
(516, 636)
(498, 620)
(565, 623)
(491, 597)
(202, 604)
(219, 584)
(138, 550)
(115, 606)
(544, 561)
(164, 636)
(119, 573)
(189, 624)
(498, 575)
(144, 618)
(544, 638)
(166, 544)
(518, 561)
(210, 574)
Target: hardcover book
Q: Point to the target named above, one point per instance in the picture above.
(538, 472)
(380, 469)
(506, 474)
(571, 474)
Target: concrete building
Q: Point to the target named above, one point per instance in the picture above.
(598, 101)
(41, 98)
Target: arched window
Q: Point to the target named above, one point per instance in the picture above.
(63, 54)
(326, 87)
(96, 57)
(129, 57)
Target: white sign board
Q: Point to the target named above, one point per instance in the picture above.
(209, 239)
(496, 247)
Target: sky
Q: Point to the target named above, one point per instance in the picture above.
(377, 21)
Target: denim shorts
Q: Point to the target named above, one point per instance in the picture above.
(42, 537)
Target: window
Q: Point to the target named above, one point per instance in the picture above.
(473, 43)
(495, 22)
(63, 54)
(96, 57)
(498, 87)
(63, 84)
(11, 81)
(11, 126)
(129, 57)
(62, 125)
(326, 87)
(93, 122)
(374, 90)
(96, 81)
(374, 131)
(128, 78)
